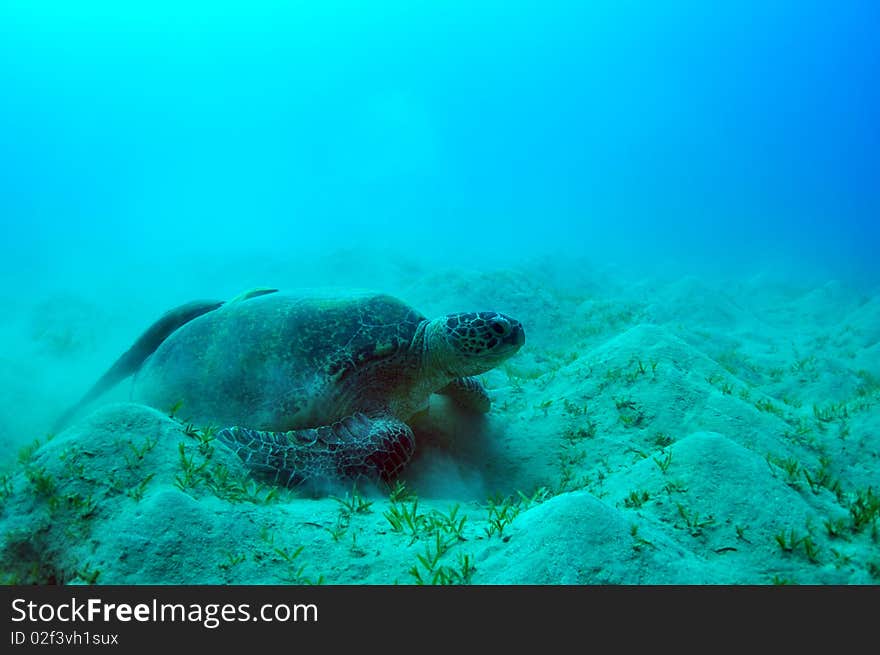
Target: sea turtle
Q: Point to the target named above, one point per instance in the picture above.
(313, 387)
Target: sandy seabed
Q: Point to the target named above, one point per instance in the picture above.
(653, 430)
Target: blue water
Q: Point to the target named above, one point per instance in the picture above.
(711, 136)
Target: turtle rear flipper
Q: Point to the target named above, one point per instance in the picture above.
(132, 359)
(468, 393)
(359, 445)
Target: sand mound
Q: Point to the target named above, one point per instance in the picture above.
(678, 432)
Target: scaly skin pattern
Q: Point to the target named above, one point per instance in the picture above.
(372, 447)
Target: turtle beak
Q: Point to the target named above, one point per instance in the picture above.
(516, 336)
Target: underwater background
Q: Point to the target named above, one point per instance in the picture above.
(678, 200)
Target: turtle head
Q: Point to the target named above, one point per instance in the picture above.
(472, 343)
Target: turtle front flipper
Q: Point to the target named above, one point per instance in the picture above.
(468, 393)
(376, 446)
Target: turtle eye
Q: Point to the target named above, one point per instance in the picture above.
(498, 327)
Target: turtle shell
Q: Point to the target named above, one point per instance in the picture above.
(283, 361)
